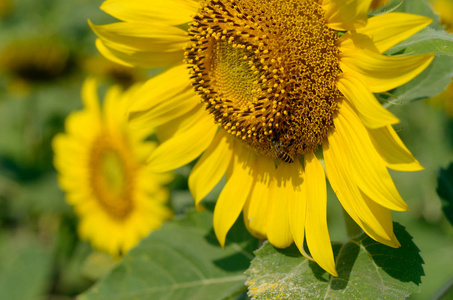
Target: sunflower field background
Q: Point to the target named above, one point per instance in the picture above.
(47, 51)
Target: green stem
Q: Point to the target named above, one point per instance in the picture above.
(444, 291)
(352, 228)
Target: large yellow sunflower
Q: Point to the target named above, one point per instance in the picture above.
(276, 95)
(101, 166)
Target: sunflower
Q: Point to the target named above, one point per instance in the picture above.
(101, 166)
(445, 9)
(275, 95)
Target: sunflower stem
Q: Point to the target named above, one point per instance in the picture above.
(352, 228)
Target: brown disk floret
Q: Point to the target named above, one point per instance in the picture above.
(266, 70)
(111, 166)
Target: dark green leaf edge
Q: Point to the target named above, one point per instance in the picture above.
(445, 191)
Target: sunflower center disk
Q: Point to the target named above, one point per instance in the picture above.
(111, 178)
(266, 70)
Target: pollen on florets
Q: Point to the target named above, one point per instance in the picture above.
(266, 70)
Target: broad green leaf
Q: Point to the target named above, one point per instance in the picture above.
(366, 269)
(426, 41)
(182, 260)
(445, 293)
(25, 268)
(431, 82)
(445, 191)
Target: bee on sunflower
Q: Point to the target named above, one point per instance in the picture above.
(277, 96)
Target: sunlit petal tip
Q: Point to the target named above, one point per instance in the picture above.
(332, 271)
(317, 234)
(231, 201)
(387, 30)
(370, 111)
(199, 207)
(381, 73)
(392, 242)
(393, 151)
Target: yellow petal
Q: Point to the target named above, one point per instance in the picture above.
(211, 167)
(114, 112)
(368, 169)
(382, 73)
(160, 89)
(383, 217)
(257, 205)
(141, 59)
(134, 36)
(283, 187)
(163, 98)
(164, 111)
(371, 112)
(180, 124)
(344, 15)
(318, 239)
(371, 217)
(297, 207)
(76, 124)
(235, 193)
(90, 97)
(393, 151)
(171, 12)
(186, 145)
(139, 44)
(376, 3)
(387, 30)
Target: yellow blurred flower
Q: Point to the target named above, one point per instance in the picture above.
(101, 166)
(376, 3)
(6, 7)
(105, 69)
(279, 101)
(445, 9)
(36, 59)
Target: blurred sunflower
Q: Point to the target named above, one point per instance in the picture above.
(36, 59)
(103, 68)
(445, 10)
(282, 96)
(6, 8)
(376, 3)
(101, 168)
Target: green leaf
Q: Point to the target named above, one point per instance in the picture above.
(426, 41)
(366, 269)
(25, 268)
(445, 293)
(182, 260)
(445, 191)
